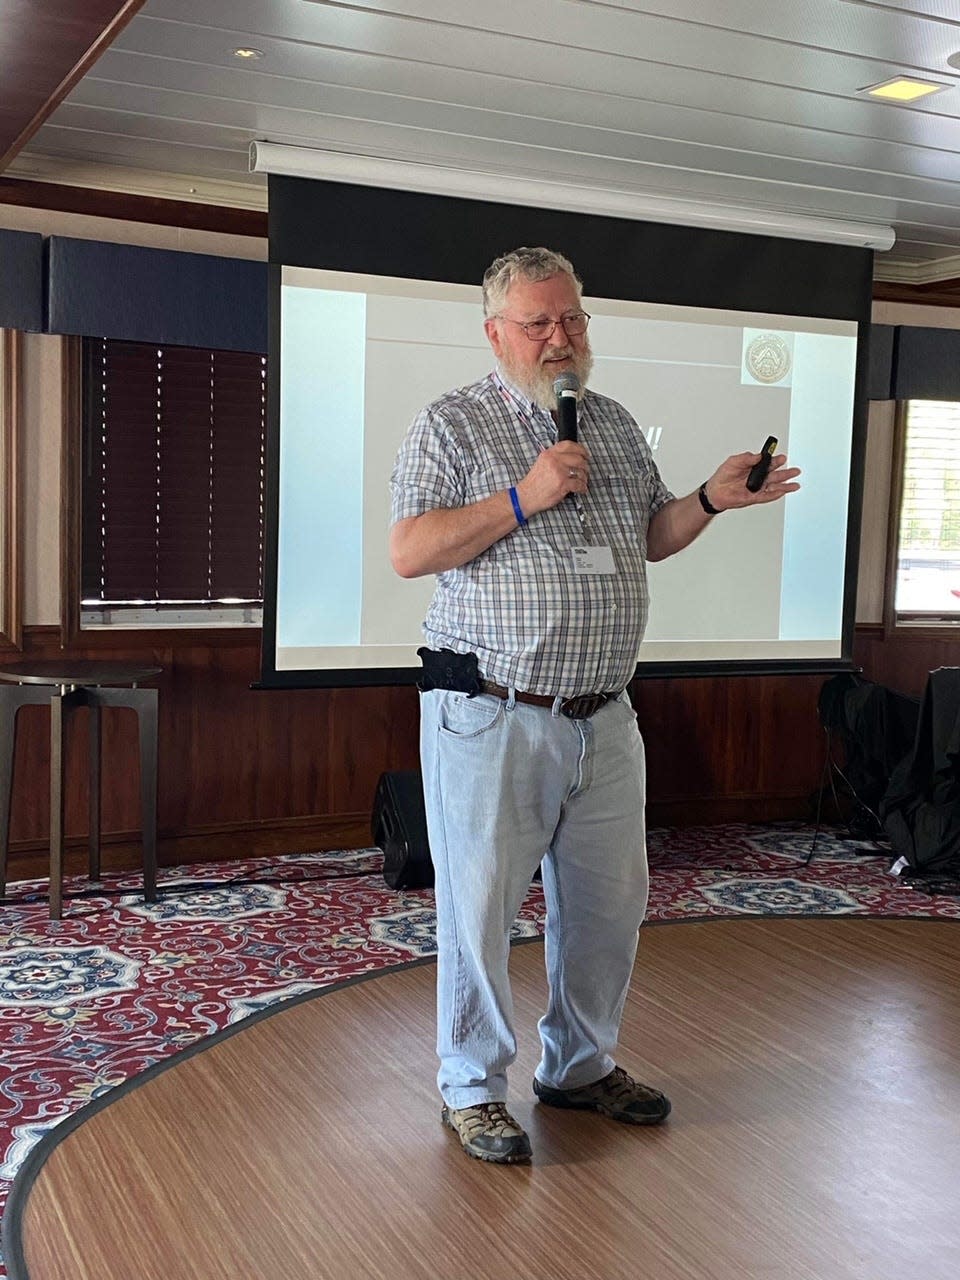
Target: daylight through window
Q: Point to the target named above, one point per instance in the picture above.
(927, 588)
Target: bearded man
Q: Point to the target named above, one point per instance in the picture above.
(530, 750)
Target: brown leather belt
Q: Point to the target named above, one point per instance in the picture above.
(581, 708)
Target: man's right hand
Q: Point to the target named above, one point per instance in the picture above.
(563, 468)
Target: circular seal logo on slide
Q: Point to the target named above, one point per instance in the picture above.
(768, 358)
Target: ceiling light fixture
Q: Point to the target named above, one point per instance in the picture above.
(247, 52)
(903, 89)
(372, 171)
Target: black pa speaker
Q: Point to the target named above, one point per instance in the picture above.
(398, 825)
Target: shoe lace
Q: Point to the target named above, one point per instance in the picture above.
(622, 1085)
(491, 1118)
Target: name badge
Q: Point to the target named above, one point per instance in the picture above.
(593, 559)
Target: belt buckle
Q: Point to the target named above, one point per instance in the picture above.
(583, 707)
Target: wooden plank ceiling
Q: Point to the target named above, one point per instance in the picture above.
(741, 102)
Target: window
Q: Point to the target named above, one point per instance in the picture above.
(172, 485)
(924, 578)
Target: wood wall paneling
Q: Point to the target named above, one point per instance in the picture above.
(902, 661)
(245, 772)
(241, 771)
(732, 748)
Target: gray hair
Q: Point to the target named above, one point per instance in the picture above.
(522, 264)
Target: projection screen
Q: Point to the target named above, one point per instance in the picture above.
(356, 354)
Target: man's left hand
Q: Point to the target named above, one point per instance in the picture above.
(727, 487)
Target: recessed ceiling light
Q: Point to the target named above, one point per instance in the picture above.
(246, 52)
(903, 89)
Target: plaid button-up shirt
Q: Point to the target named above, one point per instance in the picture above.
(533, 622)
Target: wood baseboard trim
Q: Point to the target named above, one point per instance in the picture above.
(121, 851)
(705, 811)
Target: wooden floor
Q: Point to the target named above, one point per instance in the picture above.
(813, 1066)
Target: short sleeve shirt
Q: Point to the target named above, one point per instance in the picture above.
(534, 622)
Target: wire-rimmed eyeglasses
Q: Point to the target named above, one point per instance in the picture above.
(540, 330)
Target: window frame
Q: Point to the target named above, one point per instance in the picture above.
(893, 625)
(117, 635)
(11, 563)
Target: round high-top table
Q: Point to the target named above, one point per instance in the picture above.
(65, 684)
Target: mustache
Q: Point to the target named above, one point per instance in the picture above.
(567, 354)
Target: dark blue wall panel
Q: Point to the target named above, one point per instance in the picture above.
(926, 364)
(156, 295)
(21, 281)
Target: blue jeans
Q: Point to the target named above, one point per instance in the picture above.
(507, 786)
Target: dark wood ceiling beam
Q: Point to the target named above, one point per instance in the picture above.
(46, 46)
(187, 214)
(936, 293)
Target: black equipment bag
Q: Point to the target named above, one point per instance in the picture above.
(921, 806)
(876, 727)
(399, 827)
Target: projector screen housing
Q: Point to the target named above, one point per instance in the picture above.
(407, 175)
(681, 321)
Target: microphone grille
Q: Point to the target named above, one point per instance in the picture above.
(566, 383)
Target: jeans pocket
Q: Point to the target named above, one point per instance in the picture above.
(463, 717)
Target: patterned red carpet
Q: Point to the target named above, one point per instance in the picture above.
(117, 986)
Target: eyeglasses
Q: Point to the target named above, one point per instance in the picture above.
(539, 330)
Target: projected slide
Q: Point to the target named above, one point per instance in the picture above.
(360, 356)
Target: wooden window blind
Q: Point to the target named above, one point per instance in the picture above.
(173, 475)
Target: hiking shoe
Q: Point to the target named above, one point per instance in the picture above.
(617, 1095)
(488, 1132)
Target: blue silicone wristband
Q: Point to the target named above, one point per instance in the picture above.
(517, 511)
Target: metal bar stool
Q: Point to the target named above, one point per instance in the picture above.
(65, 685)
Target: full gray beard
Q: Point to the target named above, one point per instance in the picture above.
(538, 386)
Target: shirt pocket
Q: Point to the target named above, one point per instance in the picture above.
(622, 503)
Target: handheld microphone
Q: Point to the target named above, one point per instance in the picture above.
(565, 388)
